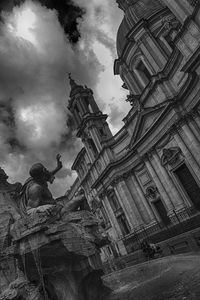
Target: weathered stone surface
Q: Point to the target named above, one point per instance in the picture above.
(55, 250)
(78, 231)
(21, 288)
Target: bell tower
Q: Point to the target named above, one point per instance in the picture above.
(91, 123)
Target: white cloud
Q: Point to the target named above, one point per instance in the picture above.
(35, 57)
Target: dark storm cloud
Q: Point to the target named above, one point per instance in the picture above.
(68, 14)
(33, 74)
(34, 64)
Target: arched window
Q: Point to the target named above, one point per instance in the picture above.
(89, 107)
(77, 111)
(93, 147)
(143, 72)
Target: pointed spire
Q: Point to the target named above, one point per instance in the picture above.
(74, 86)
(72, 82)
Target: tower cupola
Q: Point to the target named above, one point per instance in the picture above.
(91, 123)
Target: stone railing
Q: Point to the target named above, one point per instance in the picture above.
(180, 221)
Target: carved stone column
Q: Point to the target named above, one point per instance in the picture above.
(187, 153)
(83, 106)
(180, 8)
(197, 119)
(126, 200)
(94, 135)
(170, 187)
(194, 127)
(77, 117)
(89, 152)
(157, 179)
(144, 207)
(192, 142)
(112, 217)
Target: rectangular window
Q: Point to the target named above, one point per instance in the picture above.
(144, 72)
(88, 105)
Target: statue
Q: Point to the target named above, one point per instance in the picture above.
(35, 193)
(50, 241)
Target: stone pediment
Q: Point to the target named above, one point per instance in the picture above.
(147, 118)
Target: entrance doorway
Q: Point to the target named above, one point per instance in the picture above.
(160, 208)
(189, 184)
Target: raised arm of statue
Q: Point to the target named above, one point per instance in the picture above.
(59, 164)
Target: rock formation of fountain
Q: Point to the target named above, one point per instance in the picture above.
(50, 253)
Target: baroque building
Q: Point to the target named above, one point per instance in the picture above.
(146, 176)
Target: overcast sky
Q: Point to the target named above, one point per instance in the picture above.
(36, 54)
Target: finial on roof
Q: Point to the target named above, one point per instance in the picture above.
(74, 86)
(72, 81)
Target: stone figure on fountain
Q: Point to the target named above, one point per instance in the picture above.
(54, 246)
(35, 193)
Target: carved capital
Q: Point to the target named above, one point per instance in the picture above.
(150, 152)
(116, 181)
(170, 156)
(152, 193)
(134, 101)
(96, 204)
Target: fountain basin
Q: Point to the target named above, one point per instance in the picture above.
(173, 277)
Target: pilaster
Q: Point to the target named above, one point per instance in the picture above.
(93, 132)
(156, 178)
(194, 128)
(197, 120)
(187, 153)
(126, 200)
(180, 8)
(171, 189)
(144, 207)
(111, 216)
(192, 142)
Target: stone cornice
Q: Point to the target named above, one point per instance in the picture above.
(155, 124)
(159, 78)
(193, 63)
(169, 69)
(88, 118)
(183, 119)
(78, 158)
(141, 24)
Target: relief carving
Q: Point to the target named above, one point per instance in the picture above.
(170, 156)
(134, 101)
(152, 193)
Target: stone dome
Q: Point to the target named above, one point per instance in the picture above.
(137, 10)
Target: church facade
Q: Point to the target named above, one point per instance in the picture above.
(147, 175)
